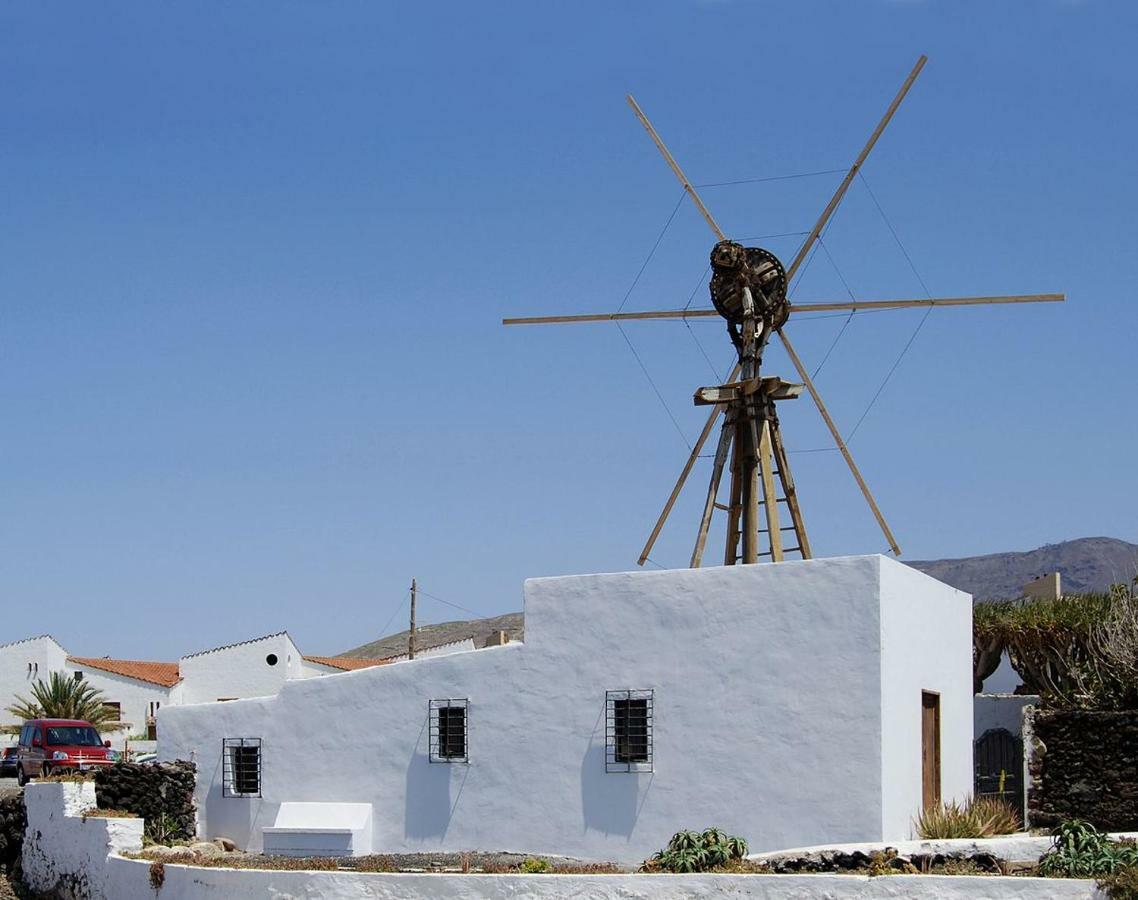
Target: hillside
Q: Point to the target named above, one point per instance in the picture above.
(442, 633)
(1086, 564)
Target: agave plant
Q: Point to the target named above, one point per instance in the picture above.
(691, 851)
(736, 847)
(685, 840)
(64, 697)
(1079, 850)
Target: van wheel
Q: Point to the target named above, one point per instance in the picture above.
(21, 778)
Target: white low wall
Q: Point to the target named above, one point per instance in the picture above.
(75, 859)
(66, 854)
(130, 879)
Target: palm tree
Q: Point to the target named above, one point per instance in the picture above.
(64, 697)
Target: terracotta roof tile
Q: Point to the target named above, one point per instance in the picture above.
(163, 673)
(346, 663)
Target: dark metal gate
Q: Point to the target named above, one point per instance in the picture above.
(998, 756)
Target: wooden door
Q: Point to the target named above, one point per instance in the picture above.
(930, 749)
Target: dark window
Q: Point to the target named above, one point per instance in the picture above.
(241, 767)
(115, 709)
(448, 731)
(73, 736)
(78, 676)
(628, 731)
(271, 659)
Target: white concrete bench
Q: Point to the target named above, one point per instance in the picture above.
(319, 829)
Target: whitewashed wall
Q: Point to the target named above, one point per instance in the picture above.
(65, 853)
(926, 645)
(16, 678)
(1000, 711)
(239, 671)
(768, 718)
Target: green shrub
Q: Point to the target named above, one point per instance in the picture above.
(1079, 850)
(534, 866)
(1080, 650)
(979, 817)
(691, 851)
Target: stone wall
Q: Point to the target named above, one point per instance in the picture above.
(13, 822)
(160, 793)
(1083, 765)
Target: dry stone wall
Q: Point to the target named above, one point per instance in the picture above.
(13, 823)
(1082, 765)
(161, 793)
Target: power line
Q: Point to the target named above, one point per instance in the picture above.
(849, 318)
(659, 396)
(916, 331)
(711, 184)
(448, 603)
(652, 252)
(398, 609)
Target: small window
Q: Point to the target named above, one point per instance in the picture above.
(78, 676)
(448, 731)
(241, 767)
(114, 710)
(271, 659)
(628, 731)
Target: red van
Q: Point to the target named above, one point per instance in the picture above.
(58, 746)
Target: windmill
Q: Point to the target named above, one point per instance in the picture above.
(749, 289)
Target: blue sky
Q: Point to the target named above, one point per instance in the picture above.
(254, 259)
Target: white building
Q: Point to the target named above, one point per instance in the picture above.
(794, 704)
(137, 689)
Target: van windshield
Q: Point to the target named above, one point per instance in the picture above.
(73, 736)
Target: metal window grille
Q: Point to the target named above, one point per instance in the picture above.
(448, 731)
(241, 767)
(628, 731)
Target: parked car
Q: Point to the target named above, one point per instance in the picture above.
(145, 759)
(59, 746)
(8, 763)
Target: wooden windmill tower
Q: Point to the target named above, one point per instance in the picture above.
(749, 289)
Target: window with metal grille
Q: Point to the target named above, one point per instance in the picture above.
(628, 731)
(448, 731)
(241, 767)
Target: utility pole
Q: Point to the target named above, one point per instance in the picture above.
(411, 633)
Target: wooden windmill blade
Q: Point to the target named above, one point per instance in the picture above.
(812, 307)
(795, 266)
(750, 290)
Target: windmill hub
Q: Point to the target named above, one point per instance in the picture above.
(735, 267)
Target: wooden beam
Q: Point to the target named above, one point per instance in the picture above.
(805, 376)
(845, 185)
(675, 166)
(726, 434)
(771, 385)
(820, 306)
(782, 460)
(937, 301)
(770, 507)
(692, 457)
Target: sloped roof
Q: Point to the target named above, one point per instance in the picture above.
(263, 637)
(345, 663)
(30, 639)
(163, 673)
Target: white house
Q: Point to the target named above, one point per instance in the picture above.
(795, 704)
(137, 689)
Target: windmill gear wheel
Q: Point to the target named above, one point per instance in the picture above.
(734, 267)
